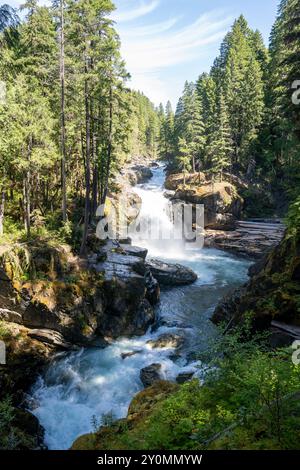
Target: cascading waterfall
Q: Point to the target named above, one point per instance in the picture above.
(80, 386)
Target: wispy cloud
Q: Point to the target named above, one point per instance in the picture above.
(142, 9)
(173, 48)
(151, 50)
(150, 30)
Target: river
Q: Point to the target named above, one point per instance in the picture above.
(93, 382)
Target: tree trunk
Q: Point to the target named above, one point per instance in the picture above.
(109, 146)
(95, 189)
(194, 164)
(27, 204)
(2, 206)
(87, 208)
(62, 106)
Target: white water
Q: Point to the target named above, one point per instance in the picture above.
(94, 382)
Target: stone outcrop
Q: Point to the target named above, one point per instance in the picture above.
(25, 358)
(184, 377)
(249, 239)
(129, 296)
(273, 291)
(140, 409)
(72, 302)
(167, 340)
(151, 374)
(222, 204)
(137, 174)
(168, 274)
(173, 181)
(53, 338)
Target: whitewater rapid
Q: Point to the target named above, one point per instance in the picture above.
(79, 388)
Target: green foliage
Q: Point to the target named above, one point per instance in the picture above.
(293, 219)
(104, 121)
(4, 332)
(11, 436)
(248, 399)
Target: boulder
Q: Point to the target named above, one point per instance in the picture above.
(153, 289)
(143, 405)
(271, 293)
(129, 296)
(130, 354)
(222, 204)
(10, 315)
(167, 340)
(51, 337)
(150, 374)
(168, 274)
(143, 173)
(137, 174)
(134, 250)
(184, 377)
(173, 181)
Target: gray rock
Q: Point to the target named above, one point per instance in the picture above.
(168, 274)
(135, 251)
(51, 337)
(167, 340)
(184, 377)
(153, 289)
(10, 315)
(150, 374)
(143, 173)
(130, 354)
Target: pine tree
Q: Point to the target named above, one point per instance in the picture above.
(220, 148)
(244, 92)
(183, 158)
(189, 124)
(166, 135)
(28, 142)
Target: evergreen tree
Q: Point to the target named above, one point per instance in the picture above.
(183, 158)
(244, 92)
(220, 147)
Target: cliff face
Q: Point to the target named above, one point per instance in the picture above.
(44, 286)
(273, 292)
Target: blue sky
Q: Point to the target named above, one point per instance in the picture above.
(166, 42)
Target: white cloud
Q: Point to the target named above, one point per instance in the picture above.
(151, 50)
(150, 30)
(141, 10)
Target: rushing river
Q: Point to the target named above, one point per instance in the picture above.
(93, 382)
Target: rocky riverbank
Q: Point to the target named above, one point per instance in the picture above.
(54, 301)
(226, 206)
(271, 298)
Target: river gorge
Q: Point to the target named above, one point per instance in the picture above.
(78, 388)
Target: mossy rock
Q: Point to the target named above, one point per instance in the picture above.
(127, 434)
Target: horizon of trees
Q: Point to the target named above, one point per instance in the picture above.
(70, 121)
(240, 117)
